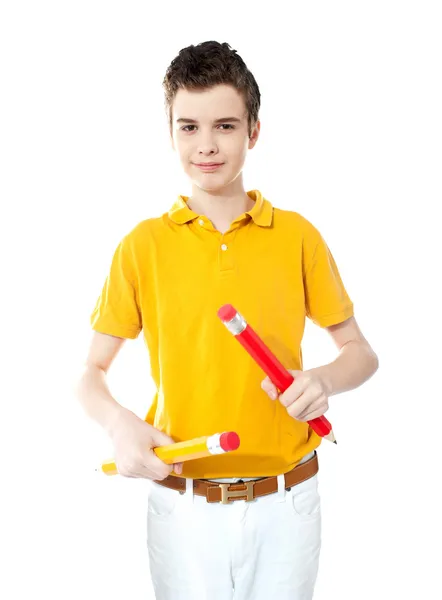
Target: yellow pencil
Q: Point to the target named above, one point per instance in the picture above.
(207, 445)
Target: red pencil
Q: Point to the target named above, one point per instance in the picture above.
(263, 356)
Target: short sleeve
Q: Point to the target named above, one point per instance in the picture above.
(117, 311)
(326, 299)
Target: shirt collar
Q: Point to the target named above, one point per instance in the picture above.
(261, 212)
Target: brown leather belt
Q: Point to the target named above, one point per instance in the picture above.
(247, 490)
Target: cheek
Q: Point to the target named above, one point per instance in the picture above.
(180, 143)
(184, 152)
(234, 151)
(241, 149)
(240, 156)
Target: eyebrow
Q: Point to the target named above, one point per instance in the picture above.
(223, 120)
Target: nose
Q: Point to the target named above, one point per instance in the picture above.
(207, 144)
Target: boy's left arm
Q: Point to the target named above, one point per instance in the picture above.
(307, 397)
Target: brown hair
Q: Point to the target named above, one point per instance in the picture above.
(209, 64)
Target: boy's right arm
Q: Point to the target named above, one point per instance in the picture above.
(133, 438)
(91, 389)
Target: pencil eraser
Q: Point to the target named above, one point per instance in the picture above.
(229, 441)
(226, 312)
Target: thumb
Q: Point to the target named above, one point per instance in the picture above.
(295, 373)
(269, 388)
(159, 438)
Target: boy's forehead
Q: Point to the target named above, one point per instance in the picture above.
(212, 103)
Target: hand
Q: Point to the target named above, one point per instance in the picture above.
(133, 440)
(305, 399)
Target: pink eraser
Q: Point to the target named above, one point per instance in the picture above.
(229, 440)
(226, 312)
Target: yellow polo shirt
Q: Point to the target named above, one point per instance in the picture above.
(168, 278)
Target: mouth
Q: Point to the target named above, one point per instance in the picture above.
(208, 166)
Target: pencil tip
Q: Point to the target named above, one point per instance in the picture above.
(335, 442)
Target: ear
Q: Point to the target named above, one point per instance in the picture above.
(255, 135)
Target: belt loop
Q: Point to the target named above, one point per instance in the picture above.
(189, 490)
(281, 488)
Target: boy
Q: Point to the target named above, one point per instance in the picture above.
(168, 277)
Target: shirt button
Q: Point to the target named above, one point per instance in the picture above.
(223, 247)
(201, 222)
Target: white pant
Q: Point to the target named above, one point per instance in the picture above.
(267, 548)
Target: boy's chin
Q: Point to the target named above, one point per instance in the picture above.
(209, 187)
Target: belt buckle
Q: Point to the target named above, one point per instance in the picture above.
(226, 494)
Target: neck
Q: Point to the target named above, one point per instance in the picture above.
(223, 206)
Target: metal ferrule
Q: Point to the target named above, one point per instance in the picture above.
(236, 325)
(213, 444)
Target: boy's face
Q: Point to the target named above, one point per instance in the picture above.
(211, 137)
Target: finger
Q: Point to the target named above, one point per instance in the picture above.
(317, 409)
(269, 388)
(151, 467)
(178, 468)
(294, 392)
(301, 405)
(313, 415)
(160, 468)
(137, 471)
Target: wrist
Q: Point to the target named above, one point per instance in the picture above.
(114, 415)
(324, 375)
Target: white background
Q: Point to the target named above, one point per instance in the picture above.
(350, 138)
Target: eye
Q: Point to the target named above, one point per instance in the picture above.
(222, 125)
